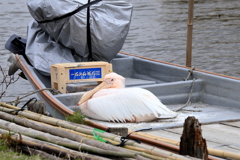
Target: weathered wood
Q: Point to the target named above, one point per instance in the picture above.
(49, 147)
(189, 34)
(52, 121)
(38, 107)
(120, 152)
(233, 124)
(192, 142)
(122, 131)
(34, 151)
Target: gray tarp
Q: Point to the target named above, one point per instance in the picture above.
(65, 40)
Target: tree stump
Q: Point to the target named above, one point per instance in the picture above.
(192, 142)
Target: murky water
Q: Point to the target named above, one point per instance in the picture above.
(14, 17)
(158, 30)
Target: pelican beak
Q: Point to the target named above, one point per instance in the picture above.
(89, 94)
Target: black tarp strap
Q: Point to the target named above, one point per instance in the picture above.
(71, 13)
(89, 41)
(125, 139)
(22, 109)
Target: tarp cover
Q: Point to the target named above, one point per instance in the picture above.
(54, 37)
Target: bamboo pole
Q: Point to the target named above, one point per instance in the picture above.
(154, 150)
(72, 135)
(68, 125)
(140, 150)
(147, 153)
(157, 138)
(212, 151)
(62, 123)
(59, 123)
(157, 141)
(45, 155)
(115, 142)
(64, 141)
(47, 147)
(189, 34)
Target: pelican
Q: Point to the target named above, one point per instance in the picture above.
(111, 101)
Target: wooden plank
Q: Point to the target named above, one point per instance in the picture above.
(192, 143)
(63, 73)
(221, 136)
(176, 137)
(219, 146)
(235, 124)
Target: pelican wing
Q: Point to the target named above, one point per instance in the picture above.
(124, 104)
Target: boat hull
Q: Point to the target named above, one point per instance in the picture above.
(211, 94)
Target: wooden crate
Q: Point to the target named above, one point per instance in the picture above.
(64, 73)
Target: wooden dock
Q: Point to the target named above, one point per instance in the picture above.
(222, 136)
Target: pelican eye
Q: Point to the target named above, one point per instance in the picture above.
(111, 79)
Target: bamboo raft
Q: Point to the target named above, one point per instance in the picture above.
(217, 104)
(58, 139)
(54, 137)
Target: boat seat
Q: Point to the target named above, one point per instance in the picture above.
(86, 86)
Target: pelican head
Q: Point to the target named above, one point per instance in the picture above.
(111, 80)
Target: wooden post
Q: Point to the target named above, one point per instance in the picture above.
(189, 34)
(192, 142)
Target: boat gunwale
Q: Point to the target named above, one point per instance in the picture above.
(56, 105)
(177, 65)
(62, 109)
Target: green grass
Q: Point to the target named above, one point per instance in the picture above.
(11, 155)
(7, 152)
(77, 117)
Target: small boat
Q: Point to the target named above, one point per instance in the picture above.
(209, 97)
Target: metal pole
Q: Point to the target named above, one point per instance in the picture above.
(189, 34)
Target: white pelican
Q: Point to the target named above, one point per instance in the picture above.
(111, 101)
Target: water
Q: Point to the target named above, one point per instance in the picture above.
(14, 17)
(158, 31)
